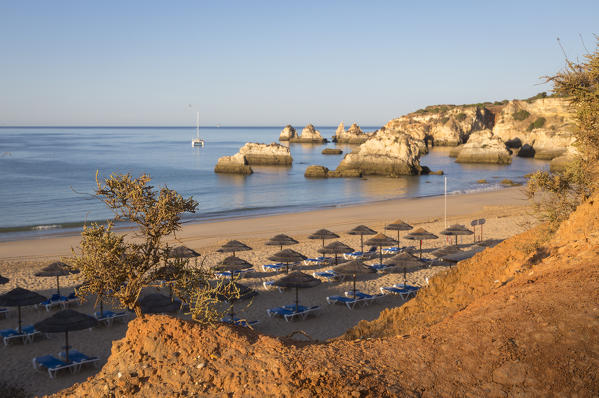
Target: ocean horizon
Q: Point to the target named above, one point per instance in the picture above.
(48, 174)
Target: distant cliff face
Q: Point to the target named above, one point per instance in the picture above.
(443, 125)
(546, 124)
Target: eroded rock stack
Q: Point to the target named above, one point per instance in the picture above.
(484, 147)
(236, 164)
(353, 135)
(387, 153)
(256, 155)
(309, 135)
(287, 133)
(266, 155)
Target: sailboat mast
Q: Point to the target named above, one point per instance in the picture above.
(198, 125)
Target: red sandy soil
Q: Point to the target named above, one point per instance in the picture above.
(519, 319)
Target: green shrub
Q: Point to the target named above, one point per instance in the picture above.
(444, 120)
(460, 117)
(521, 115)
(536, 97)
(540, 122)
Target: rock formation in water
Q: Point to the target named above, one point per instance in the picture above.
(266, 155)
(546, 124)
(332, 151)
(309, 135)
(484, 147)
(316, 171)
(353, 135)
(287, 133)
(236, 164)
(386, 153)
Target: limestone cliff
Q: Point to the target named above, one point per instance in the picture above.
(444, 125)
(546, 124)
(387, 153)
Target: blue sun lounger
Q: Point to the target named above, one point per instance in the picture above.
(53, 365)
(26, 336)
(329, 275)
(349, 302)
(359, 254)
(380, 267)
(79, 358)
(240, 322)
(108, 317)
(278, 267)
(318, 260)
(289, 312)
(235, 274)
(404, 291)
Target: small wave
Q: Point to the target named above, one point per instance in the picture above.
(45, 227)
(484, 188)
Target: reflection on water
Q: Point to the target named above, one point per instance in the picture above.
(52, 173)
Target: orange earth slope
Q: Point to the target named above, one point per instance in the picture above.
(521, 318)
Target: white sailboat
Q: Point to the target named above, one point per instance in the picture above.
(197, 141)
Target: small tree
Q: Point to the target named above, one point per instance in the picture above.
(560, 193)
(112, 265)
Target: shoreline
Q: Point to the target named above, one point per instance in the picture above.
(202, 234)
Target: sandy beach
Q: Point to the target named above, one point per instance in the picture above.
(505, 211)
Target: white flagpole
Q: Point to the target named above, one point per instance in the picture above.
(445, 178)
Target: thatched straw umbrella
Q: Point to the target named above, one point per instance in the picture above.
(456, 230)
(323, 234)
(381, 240)
(234, 246)
(66, 321)
(157, 303)
(287, 256)
(398, 225)
(57, 269)
(421, 234)
(336, 248)
(353, 268)
(19, 297)
(3, 280)
(298, 280)
(233, 264)
(408, 262)
(362, 230)
(182, 252)
(281, 240)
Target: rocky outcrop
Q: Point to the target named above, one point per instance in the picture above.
(527, 151)
(236, 164)
(387, 153)
(443, 125)
(316, 171)
(332, 151)
(353, 135)
(545, 124)
(309, 135)
(287, 133)
(266, 155)
(484, 147)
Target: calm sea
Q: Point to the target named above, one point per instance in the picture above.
(47, 175)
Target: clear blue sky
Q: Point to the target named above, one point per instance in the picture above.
(274, 62)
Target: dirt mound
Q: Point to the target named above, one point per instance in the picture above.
(534, 332)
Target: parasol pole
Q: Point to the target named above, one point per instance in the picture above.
(57, 285)
(296, 299)
(20, 328)
(66, 348)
